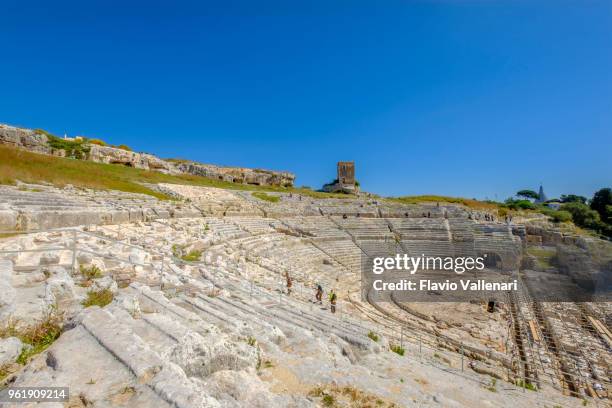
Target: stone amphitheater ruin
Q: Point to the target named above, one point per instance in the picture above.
(201, 318)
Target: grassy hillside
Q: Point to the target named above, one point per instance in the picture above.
(17, 164)
(479, 205)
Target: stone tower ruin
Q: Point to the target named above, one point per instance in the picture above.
(346, 173)
(345, 181)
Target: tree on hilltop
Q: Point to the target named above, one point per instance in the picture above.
(602, 199)
(583, 215)
(572, 198)
(528, 194)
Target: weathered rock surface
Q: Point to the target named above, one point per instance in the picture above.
(239, 174)
(35, 142)
(10, 348)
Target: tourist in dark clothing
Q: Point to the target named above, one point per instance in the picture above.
(289, 282)
(319, 294)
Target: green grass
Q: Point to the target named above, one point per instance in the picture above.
(28, 167)
(526, 385)
(543, 256)
(98, 298)
(193, 256)
(266, 197)
(492, 385)
(397, 349)
(91, 272)
(37, 337)
(373, 336)
(328, 401)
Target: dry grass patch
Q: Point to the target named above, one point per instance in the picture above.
(36, 338)
(475, 204)
(335, 396)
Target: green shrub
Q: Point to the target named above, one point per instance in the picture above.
(124, 147)
(561, 216)
(76, 149)
(328, 400)
(91, 272)
(583, 215)
(373, 335)
(43, 132)
(98, 298)
(556, 215)
(520, 204)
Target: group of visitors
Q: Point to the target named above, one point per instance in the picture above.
(333, 298)
(487, 217)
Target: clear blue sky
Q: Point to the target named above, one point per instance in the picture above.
(466, 98)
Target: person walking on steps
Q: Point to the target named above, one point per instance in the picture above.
(319, 295)
(332, 300)
(289, 282)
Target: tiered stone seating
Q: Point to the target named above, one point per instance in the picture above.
(280, 253)
(498, 239)
(344, 251)
(461, 229)
(320, 228)
(254, 225)
(223, 230)
(289, 204)
(348, 207)
(365, 228)
(286, 312)
(421, 247)
(421, 228)
(56, 208)
(379, 248)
